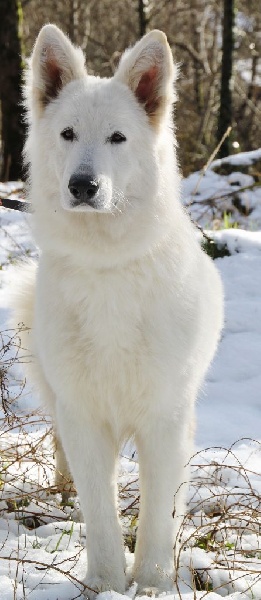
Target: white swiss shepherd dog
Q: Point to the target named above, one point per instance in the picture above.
(124, 309)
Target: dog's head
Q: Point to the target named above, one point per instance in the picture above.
(98, 136)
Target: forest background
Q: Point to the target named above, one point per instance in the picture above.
(216, 42)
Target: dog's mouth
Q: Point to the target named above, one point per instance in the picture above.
(80, 206)
(86, 208)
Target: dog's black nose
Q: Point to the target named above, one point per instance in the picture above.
(83, 188)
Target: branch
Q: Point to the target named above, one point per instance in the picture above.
(45, 566)
(195, 55)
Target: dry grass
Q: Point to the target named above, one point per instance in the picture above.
(222, 528)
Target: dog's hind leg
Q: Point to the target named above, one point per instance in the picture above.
(63, 478)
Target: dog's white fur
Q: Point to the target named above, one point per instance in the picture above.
(125, 309)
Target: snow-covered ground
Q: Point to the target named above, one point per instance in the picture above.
(42, 555)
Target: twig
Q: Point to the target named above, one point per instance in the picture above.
(211, 158)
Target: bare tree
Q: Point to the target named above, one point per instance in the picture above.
(10, 89)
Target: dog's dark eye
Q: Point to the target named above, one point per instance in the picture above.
(68, 134)
(117, 137)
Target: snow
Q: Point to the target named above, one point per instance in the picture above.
(242, 158)
(209, 194)
(42, 554)
(244, 70)
(236, 375)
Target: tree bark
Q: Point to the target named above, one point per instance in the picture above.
(225, 108)
(12, 129)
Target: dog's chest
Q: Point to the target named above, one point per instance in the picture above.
(108, 338)
(108, 316)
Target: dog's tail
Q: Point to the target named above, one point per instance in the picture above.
(21, 302)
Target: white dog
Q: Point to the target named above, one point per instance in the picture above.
(124, 309)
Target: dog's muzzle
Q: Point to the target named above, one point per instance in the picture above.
(83, 189)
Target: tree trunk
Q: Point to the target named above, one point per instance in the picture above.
(194, 29)
(12, 129)
(225, 109)
(142, 18)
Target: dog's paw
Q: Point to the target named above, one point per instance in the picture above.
(151, 592)
(152, 583)
(96, 585)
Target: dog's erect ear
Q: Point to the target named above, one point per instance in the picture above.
(54, 63)
(149, 71)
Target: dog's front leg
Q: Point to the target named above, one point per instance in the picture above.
(164, 447)
(91, 452)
